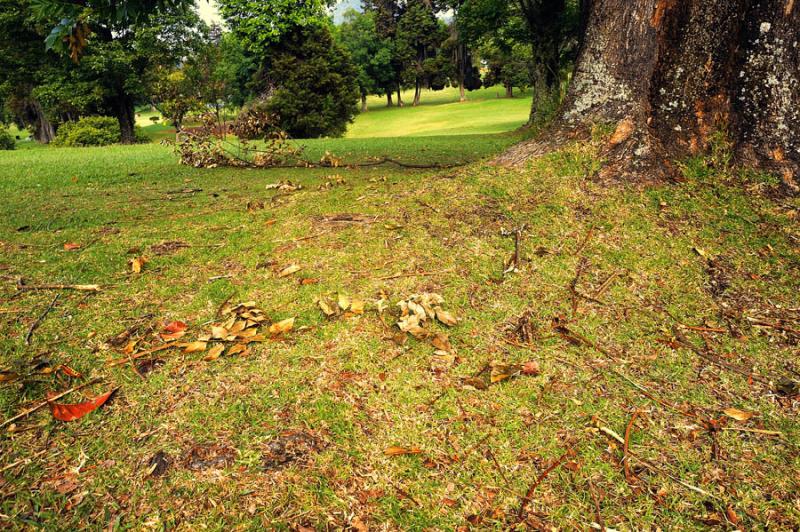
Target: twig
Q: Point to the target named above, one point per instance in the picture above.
(410, 274)
(40, 319)
(714, 359)
(41, 405)
(79, 287)
(141, 354)
(625, 462)
(597, 514)
(603, 287)
(529, 494)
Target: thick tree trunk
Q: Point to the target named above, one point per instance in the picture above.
(363, 102)
(509, 90)
(462, 96)
(43, 130)
(399, 96)
(389, 98)
(123, 105)
(670, 74)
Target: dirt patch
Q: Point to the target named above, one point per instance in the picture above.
(212, 456)
(291, 447)
(168, 247)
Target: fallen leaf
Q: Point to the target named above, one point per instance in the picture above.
(137, 264)
(71, 412)
(289, 270)
(214, 352)
(442, 342)
(308, 280)
(218, 332)
(344, 302)
(446, 318)
(69, 372)
(193, 347)
(400, 451)
(738, 415)
(357, 306)
(282, 326)
(237, 349)
(476, 382)
(173, 331)
(501, 372)
(8, 376)
(71, 246)
(158, 464)
(326, 307)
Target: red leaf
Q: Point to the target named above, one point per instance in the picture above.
(71, 246)
(175, 326)
(69, 372)
(72, 412)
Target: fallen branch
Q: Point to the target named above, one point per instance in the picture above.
(410, 274)
(43, 404)
(40, 319)
(714, 359)
(144, 353)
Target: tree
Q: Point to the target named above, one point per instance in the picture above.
(371, 53)
(508, 66)
(418, 38)
(670, 75)
(107, 30)
(309, 83)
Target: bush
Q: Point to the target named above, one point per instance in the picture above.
(140, 135)
(7, 142)
(89, 131)
(315, 84)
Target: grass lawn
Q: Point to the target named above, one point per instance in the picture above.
(345, 422)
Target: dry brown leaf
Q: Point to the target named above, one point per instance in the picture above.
(326, 307)
(237, 349)
(400, 451)
(357, 306)
(247, 333)
(282, 326)
(738, 415)
(445, 317)
(218, 332)
(441, 342)
(137, 264)
(476, 382)
(215, 352)
(289, 270)
(193, 347)
(531, 368)
(71, 246)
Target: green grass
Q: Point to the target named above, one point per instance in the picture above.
(345, 381)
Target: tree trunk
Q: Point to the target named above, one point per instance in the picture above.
(671, 74)
(417, 92)
(363, 102)
(462, 97)
(43, 130)
(389, 98)
(399, 97)
(123, 105)
(509, 90)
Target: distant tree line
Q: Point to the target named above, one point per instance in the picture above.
(62, 61)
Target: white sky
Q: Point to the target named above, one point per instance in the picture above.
(208, 11)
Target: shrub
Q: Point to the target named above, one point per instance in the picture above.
(89, 131)
(140, 135)
(7, 142)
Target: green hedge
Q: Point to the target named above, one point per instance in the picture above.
(7, 141)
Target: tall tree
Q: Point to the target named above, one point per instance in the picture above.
(670, 74)
(371, 53)
(418, 38)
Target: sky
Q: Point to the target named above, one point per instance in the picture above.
(210, 14)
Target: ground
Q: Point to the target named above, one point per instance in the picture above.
(343, 421)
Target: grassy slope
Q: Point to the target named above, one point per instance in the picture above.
(360, 393)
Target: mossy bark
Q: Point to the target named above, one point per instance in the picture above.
(671, 73)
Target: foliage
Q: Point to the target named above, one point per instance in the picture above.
(261, 25)
(507, 66)
(175, 94)
(7, 141)
(310, 84)
(89, 131)
(371, 53)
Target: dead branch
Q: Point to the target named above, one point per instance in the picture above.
(529, 494)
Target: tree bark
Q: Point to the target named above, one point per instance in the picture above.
(43, 130)
(363, 102)
(123, 106)
(389, 98)
(417, 92)
(509, 90)
(670, 74)
(399, 97)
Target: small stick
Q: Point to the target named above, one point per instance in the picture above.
(529, 494)
(597, 514)
(606, 284)
(40, 319)
(79, 287)
(704, 329)
(625, 462)
(141, 354)
(33, 409)
(411, 274)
